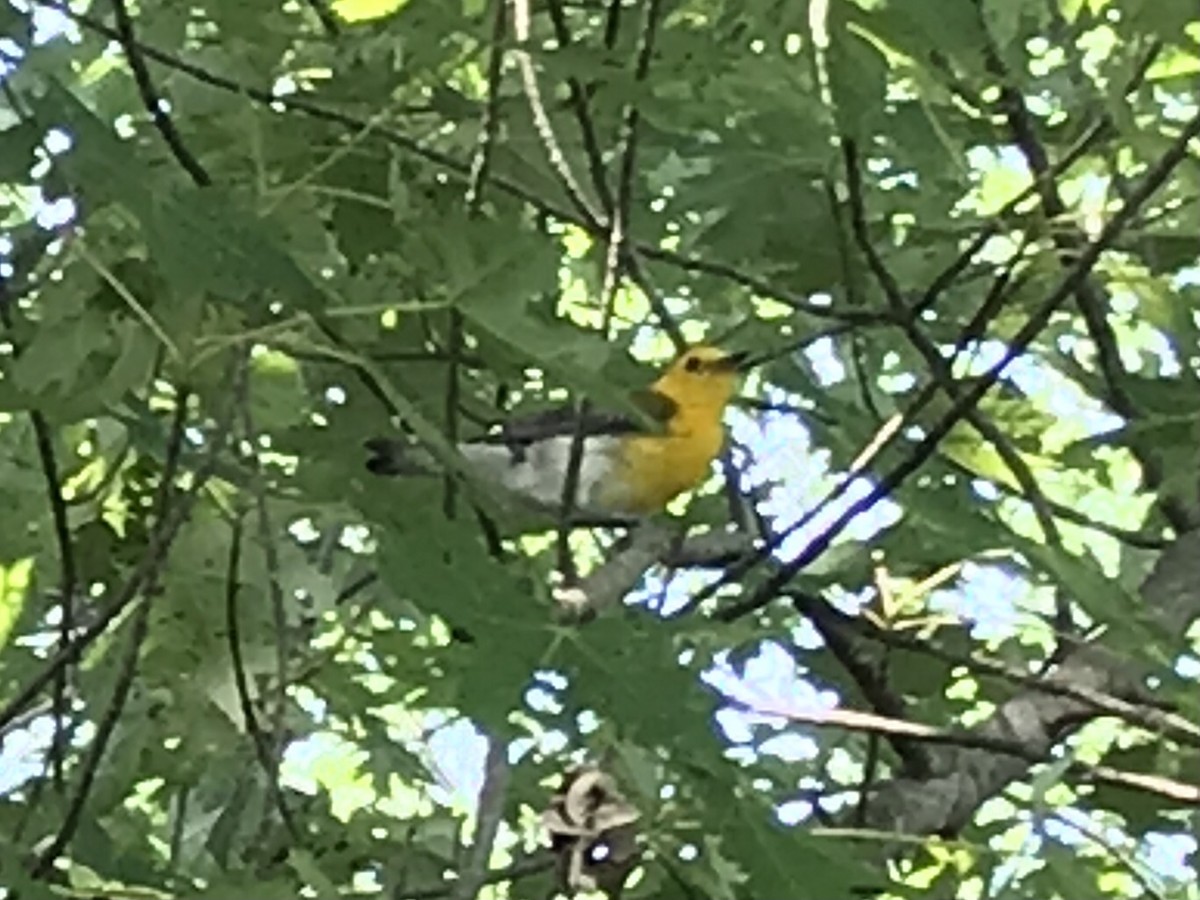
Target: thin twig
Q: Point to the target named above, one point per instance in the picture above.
(1134, 710)
(870, 723)
(44, 438)
(164, 495)
(541, 120)
(460, 169)
(150, 98)
(104, 732)
(887, 432)
(1088, 299)
(66, 587)
(760, 286)
(871, 683)
(612, 23)
(325, 16)
(938, 367)
(614, 255)
(481, 162)
(1140, 539)
(270, 548)
(264, 750)
(178, 826)
(153, 559)
(356, 587)
(577, 97)
(997, 220)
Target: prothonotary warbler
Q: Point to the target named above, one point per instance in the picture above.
(625, 470)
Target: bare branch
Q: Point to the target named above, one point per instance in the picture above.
(1136, 708)
(263, 746)
(870, 679)
(148, 567)
(1000, 745)
(1150, 183)
(1039, 719)
(66, 587)
(150, 99)
(542, 124)
(104, 732)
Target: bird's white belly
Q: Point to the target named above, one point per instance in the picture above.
(539, 473)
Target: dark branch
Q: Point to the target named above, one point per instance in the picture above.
(866, 674)
(148, 567)
(1089, 298)
(327, 19)
(104, 732)
(939, 368)
(870, 723)
(1019, 343)
(481, 163)
(150, 98)
(263, 749)
(588, 220)
(270, 549)
(66, 586)
(164, 495)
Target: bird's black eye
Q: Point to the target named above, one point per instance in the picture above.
(692, 364)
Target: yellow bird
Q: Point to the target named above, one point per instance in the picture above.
(625, 470)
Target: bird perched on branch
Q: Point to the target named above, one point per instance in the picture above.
(625, 470)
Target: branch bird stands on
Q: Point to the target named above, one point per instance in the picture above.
(625, 469)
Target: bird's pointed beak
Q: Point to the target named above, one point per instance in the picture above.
(736, 362)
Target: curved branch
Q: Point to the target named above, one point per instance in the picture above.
(150, 99)
(1037, 720)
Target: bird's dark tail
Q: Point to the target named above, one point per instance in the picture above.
(394, 457)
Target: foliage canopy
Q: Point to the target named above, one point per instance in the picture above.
(239, 238)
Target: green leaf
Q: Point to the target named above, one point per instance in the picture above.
(857, 76)
(18, 146)
(55, 360)
(202, 239)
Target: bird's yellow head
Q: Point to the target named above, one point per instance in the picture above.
(701, 378)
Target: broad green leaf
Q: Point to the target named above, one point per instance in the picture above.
(857, 74)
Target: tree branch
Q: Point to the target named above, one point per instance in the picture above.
(104, 732)
(263, 749)
(164, 494)
(938, 367)
(1009, 746)
(542, 124)
(148, 567)
(1036, 719)
(66, 587)
(587, 220)
(1090, 254)
(1088, 297)
(150, 99)
(871, 683)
